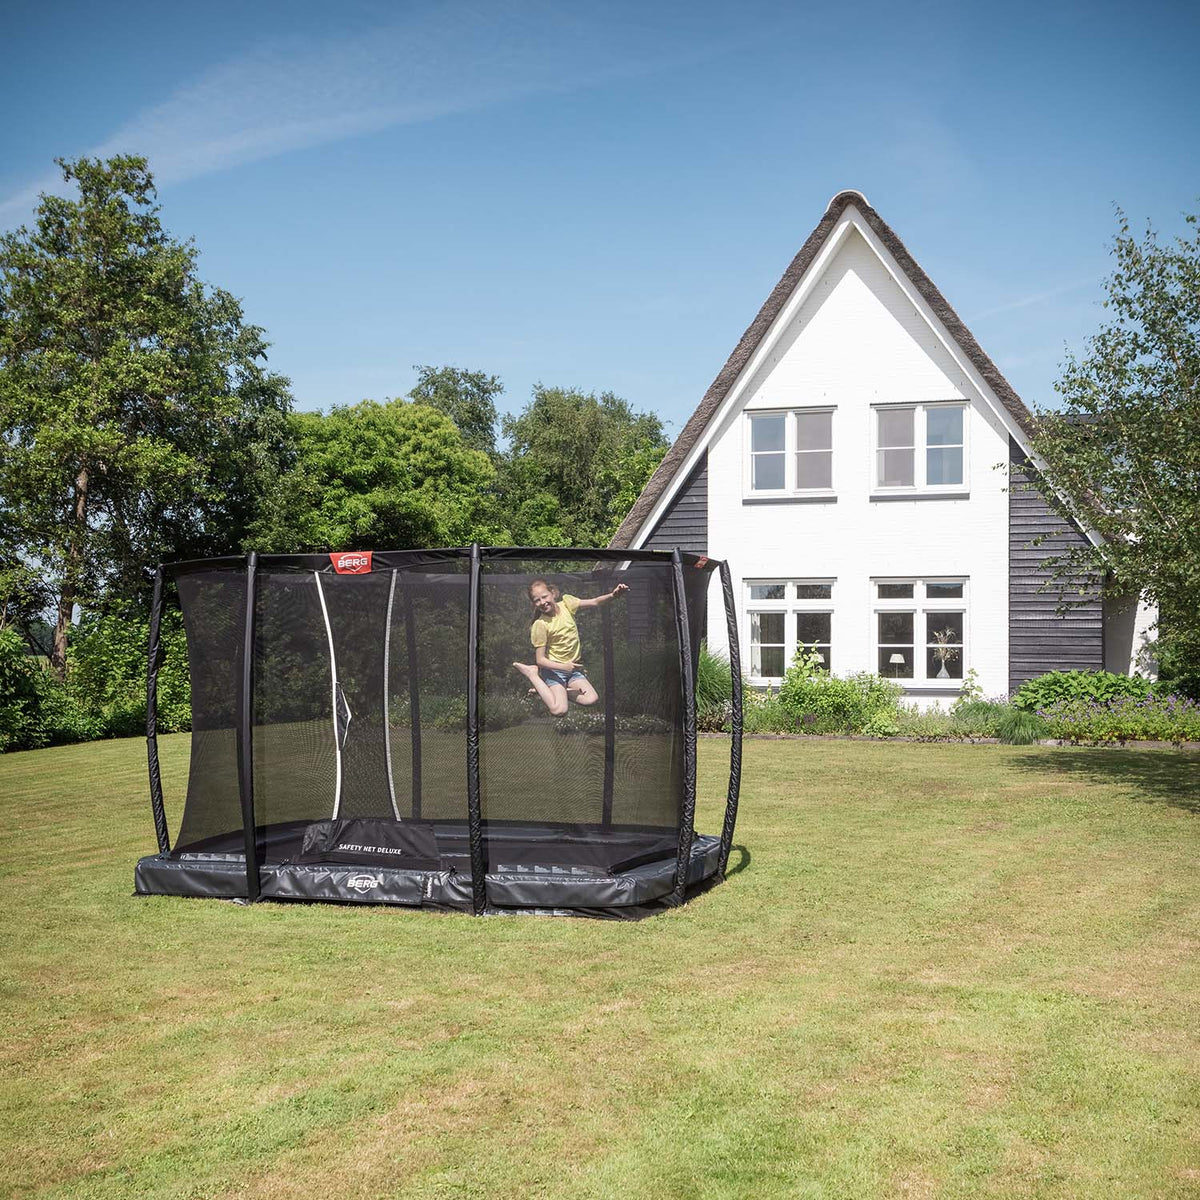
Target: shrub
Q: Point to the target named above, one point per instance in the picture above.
(763, 713)
(883, 723)
(36, 709)
(1020, 728)
(107, 673)
(448, 713)
(962, 722)
(1169, 718)
(822, 703)
(20, 695)
(969, 691)
(935, 725)
(1100, 686)
(978, 718)
(714, 692)
(972, 720)
(714, 680)
(1178, 655)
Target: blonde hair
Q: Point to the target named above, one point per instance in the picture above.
(554, 591)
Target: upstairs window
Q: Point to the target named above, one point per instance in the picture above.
(920, 448)
(768, 452)
(896, 445)
(944, 446)
(790, 453)
(814, 450)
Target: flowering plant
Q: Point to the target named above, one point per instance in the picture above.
(1169, 718)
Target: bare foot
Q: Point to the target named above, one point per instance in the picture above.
(528, 671)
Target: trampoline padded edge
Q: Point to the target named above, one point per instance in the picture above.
(224, 876)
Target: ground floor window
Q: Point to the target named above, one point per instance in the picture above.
(920, 627)
(786, 615)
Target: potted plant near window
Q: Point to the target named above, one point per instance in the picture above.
(943, 652)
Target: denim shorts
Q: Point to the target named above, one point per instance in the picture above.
(562, 678)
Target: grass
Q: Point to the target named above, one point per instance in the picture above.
(938, 970)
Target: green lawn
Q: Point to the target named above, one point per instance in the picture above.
(938, 971)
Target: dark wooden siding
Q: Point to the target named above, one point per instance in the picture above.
(1039, 639)
(685, 523)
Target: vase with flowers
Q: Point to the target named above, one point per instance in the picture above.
(943, 651)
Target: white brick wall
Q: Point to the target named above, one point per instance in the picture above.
(859, 339)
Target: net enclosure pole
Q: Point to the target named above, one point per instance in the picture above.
(735, 723)
(687, 685)
(336, 693)
(610, 715)
(474, 815)
(153, 661)
(245, 732)
(387, 702)
(414, 698)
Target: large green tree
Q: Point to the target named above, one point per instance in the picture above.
(1123, 452)
(574, 465)
(137, 417)
(468, 398)
(377, 475)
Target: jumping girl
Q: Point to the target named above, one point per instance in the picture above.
(555, 638)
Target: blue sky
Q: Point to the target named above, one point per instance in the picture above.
(602, 194)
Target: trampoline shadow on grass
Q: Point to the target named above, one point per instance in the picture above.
(739, 860)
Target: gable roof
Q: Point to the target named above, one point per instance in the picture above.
(662, 479)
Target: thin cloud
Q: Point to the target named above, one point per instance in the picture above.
(460, 56)
(1035, 298)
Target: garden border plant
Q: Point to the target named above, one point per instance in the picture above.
(1082, 707)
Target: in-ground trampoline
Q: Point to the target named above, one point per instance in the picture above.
(360, 732)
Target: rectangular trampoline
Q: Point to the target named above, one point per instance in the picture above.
(369, 727)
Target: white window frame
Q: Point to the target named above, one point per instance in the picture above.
(919, 485)
(790, 605)
(920, 605)
(791, 450)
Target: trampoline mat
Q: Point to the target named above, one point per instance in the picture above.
(412, 844)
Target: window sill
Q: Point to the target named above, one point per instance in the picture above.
(791, 498)
(914, 494)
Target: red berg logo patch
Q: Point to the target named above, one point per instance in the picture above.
(352, 562)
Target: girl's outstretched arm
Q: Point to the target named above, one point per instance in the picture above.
(596, 601)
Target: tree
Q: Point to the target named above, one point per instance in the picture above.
(468, 398)
(574, 466)
(1124, 451)
(137, 419)
(377, 475)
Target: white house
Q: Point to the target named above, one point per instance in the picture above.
(852, 461)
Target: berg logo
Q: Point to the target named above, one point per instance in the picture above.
(352, 562)
(363, 883)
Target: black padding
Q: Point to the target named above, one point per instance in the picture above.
(371, 842)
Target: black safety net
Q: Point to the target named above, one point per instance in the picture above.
(605, 775)
(214, 609)
(358, 718)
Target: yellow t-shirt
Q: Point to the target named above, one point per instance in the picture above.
(559, 633)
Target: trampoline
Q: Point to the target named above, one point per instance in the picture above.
(360, 732)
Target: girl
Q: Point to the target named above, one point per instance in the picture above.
(555, 638)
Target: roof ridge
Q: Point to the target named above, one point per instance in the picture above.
(700, 419)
